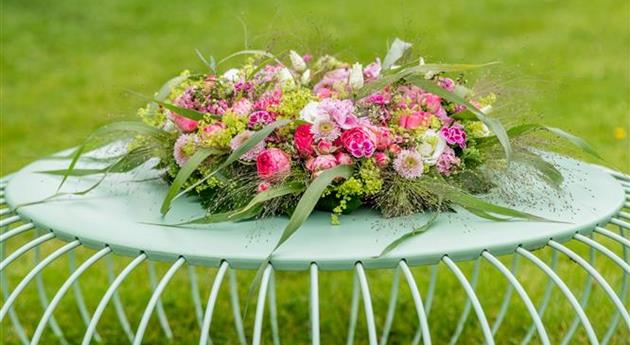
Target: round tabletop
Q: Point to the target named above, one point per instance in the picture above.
(123, 213)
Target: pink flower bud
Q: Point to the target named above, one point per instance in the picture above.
(343, 158)
(263, 186)
(382, 160)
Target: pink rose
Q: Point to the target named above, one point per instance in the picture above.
(303, 140)
(343, 158)
(382, 160)
(373, 70)
(184, 124)
(320, 163)
(273, 164)
(359, 142)
(454, 135)
(415, 120)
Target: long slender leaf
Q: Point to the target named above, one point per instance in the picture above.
(547, 170)
(250, 52)
(417, 231)
(395, 52)
(271, 193)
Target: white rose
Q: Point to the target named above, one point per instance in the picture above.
(310, 112)
(233, 75)
(297, 61)
(356, 76)
(432, 147)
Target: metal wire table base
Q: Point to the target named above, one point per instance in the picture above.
(266, 294)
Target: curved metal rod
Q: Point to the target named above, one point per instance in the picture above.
(624, 241)
(273, 310)
(466, 311)
(354, 309)
(5, 211)
(23, 249)
(260, 305)
(17, 326)
(620, 223)
(118, 306)
(413, 287)
(8, 221)
(618, 175)
(614, 320)
(78, 297)
(159, 308)
(20, 287)
(62, 291)
(194, 292)
(212, 300)
(544, 338)
(565, 290)
(16, 231)
(598, 277)
(314, 304)
(391, 308)
(367, 304)
(507, 297)
(624, 215)
(429, 302)
(144, 321)
(108, 295)
(485, 328)
(236, 308)
(544, 303)
(602, 249)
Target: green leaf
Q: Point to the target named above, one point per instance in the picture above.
(203, 59)
(250, 52)
(188, 113)
(413, 233)
(182, 176)
(546, 169)
(236, 154)
(271, 193)
(493, 124)
(395, 52)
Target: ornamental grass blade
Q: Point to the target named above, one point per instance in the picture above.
(547, 170)
(271, 193)
(413, 233)
(495, 126)
(395, 52)
(250, 52)
(188, 113)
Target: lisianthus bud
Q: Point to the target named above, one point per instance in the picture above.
(297, 61)
(273, 164)
(356, 76)
(381, 159)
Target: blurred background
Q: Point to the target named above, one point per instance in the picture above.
(67, 66)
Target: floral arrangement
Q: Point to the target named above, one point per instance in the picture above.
(274, 137)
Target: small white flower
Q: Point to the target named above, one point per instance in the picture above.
(356, 76)
(297, 61)
(306, 77)
(310, 112)
(432, 147)
(233, 75)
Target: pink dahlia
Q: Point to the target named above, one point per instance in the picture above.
(325, 129)
(180, 148)
(359, 142)
(273, 164)
(409, 164)
(303, 140)
(447, 162)
(240, 139)
(454, 135)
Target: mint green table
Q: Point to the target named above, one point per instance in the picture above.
(119, 219)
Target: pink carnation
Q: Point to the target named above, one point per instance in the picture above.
(320, 163)
(359, 142)
(260, 117)
(447, 162)
(273, 164)
(240, 139)
(454, 135)
(303, 140)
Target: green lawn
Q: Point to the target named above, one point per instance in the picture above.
(66, 67)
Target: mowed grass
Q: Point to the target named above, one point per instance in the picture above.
(67, 66)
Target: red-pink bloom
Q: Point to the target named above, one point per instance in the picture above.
(382, 160)
(303, 140)
(273, 164)
(454, 135)
(394, 148)
(263, 186)
(325, 147)
(415, 120)
(184, 124)
(359, 142)
(343, 158)
(320, 163)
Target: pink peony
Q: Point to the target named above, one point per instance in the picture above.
(359, 142)
(320, 163)
(184, 124)
(343, 158)
(303, 140)
(447, 162)
(273, 164)
(415, 120)
(373, 70)
(454, 135)
(240, 139)
(408, 164)
(381, 159)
